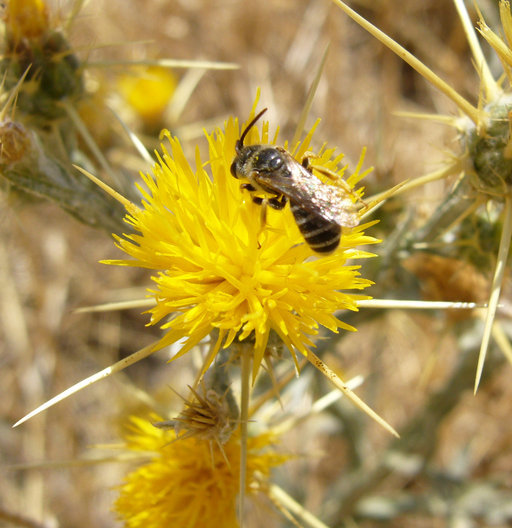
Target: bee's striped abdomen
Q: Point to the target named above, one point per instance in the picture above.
(322, 235)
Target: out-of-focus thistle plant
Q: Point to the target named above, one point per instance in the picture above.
(45, 120)
(55, 73)
(474, 223)
(38, 142)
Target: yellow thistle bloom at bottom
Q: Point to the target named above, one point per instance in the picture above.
(190, 481)
(220, 269)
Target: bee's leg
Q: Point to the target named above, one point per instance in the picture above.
(329, 173)
(263, 216)
(278, 202)
(305, 160)
(336, 178)
(247, 187)
(258, 200)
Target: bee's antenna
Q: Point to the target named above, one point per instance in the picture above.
(240, 142)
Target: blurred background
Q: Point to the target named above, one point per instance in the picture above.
(454, 465)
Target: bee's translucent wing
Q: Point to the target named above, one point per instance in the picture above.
(299, 185)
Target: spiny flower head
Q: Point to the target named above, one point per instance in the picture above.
(220, 269)
(490, 149)
(488, 142)
(209, 416)
(190, 481)
(34, 45)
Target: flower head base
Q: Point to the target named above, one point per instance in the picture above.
(489, 144)
(491, 152)
(219, 268)
(190, 481)
(211, 416)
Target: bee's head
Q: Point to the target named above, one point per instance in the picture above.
(244, 153)
(244, 159)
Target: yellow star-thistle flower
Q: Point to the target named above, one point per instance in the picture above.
(190, 481)
(220, 269)
(148, 90)
(26, 19)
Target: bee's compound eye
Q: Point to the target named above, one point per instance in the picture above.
(270, 160)
(275, 162)
(233, 169)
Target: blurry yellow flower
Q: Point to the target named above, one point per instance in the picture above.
(148, 90)
(219, 269)
(26, 19)
(190, 481)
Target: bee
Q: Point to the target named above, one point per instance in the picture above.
(320, 210)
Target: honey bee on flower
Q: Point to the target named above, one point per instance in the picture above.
(320, 210)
